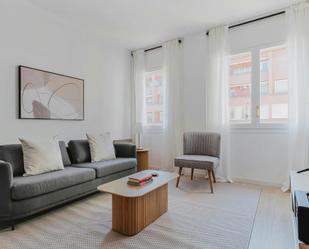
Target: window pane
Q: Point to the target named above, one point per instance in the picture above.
(154, 98)
(274, 71)
(279, 111)
(240, 88)
(281, 86)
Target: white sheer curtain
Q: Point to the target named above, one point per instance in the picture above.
(298, 46)
(217, 95)
(165, 142)
(137, 93)
(173, 107)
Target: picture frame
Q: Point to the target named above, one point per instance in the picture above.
(46, 95)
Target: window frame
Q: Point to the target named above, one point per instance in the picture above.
(255, 123)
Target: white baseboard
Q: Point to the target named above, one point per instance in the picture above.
(203, 174)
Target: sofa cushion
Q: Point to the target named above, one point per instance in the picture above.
(13, 154)
(31, 186)
(41, 156)
(64, 154)
(108, 167)
(79, 151)
(197, 161)
(101, 147)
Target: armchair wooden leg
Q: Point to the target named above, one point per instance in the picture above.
(213, 176)
(179, 173)
(210, 180)
(192, 171)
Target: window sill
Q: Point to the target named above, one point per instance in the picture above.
(259, 129)
(153, 129)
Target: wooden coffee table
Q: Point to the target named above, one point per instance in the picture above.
(134, 208)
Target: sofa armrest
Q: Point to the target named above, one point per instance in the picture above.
(6, 180)
(125, 150)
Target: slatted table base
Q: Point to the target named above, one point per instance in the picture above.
(133, 214)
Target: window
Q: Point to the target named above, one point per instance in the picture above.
(240, 88)
(264, 88)
(264, 111)
(154, 98)
(259, 87)
(281, 86)
(149, 117)
(264, 66)
(279, 111)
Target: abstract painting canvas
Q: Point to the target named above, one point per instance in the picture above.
(47, 95)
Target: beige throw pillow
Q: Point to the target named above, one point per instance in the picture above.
(101, 147)
(41, 156)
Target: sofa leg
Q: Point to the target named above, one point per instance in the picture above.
(210, 180)
(13, 227)
(179, 173)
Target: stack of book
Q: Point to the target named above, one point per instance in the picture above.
(140, 179)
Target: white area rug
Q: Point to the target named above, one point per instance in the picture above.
(195, 219)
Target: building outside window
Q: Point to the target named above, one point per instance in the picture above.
(240, 88)
(277, 76)
(154, 98)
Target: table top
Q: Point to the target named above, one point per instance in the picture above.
(142, 150)
(120, 186)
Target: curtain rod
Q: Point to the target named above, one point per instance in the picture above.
(156, 47)
(149, 49)
(254, 20)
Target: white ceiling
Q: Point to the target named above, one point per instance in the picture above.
(140, 23)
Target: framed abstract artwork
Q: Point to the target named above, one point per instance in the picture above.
(47, 95)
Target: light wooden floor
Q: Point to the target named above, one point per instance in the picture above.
(273, 226)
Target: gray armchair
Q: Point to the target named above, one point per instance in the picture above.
(201, 150)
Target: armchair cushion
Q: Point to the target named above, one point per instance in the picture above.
(197, 161)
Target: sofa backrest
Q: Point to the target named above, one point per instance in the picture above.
(64, 154)
(13, 154)
(201, 143)
(79, 151)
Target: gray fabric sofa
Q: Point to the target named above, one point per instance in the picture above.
(22, 196)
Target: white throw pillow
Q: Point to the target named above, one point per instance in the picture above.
(101, 147)
(41, 156)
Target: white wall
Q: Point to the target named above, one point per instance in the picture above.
(259, 157)
(256, 156)
(33, 37)
(194, 82)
